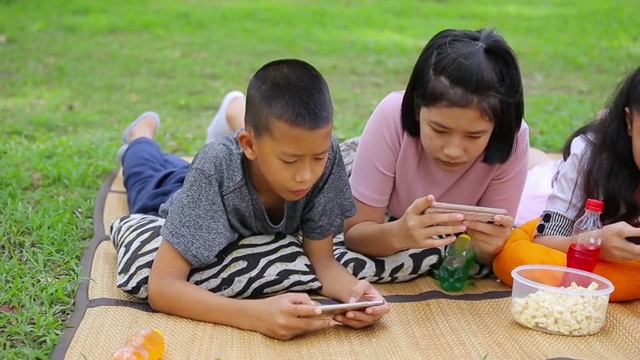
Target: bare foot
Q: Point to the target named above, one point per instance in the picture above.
(144, 128)
(235, 113)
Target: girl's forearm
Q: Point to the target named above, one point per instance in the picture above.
(485, 257)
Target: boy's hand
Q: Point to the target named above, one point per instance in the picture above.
(363, 291)
(286, 316)
(489, 239)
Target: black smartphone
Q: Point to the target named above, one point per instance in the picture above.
(634, 239)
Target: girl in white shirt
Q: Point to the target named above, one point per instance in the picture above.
(601, 161)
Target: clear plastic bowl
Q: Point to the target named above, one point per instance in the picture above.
(543, 298)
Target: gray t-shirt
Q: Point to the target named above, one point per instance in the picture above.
(218, 204)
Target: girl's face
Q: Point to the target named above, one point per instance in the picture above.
(454, 137)
(633, 127)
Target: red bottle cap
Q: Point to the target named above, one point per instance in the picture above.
(594, 205)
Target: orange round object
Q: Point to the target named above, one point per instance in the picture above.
(152, 340)
(130, 352)
(146, 344)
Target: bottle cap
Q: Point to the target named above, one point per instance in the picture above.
(465, 236)
(594, 205)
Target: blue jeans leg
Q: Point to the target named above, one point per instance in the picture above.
(150, 176)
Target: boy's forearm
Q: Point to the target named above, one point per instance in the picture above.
(373, 239)
(337, 282)
(190, 301)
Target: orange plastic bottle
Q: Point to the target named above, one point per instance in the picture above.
(146, 344)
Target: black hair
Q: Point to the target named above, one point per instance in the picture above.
(610, 171)
(464, 68)
(288, 90)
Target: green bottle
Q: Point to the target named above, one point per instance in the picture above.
(456, 267)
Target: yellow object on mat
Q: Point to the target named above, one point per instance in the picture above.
(424, 323)
(520, 250)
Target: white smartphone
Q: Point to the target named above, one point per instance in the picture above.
(335, 309)
(473, 213)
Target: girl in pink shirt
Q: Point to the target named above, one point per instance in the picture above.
(455, 134)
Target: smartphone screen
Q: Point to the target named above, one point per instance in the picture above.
(335, 309)
(634, 239)
(474, 213)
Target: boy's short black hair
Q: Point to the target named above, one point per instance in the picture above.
(463, 68)
(288, 90)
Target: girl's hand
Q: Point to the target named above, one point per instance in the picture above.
(416, 230)
(363, 291)
(286, 316)
(615, 247)
(488, 239)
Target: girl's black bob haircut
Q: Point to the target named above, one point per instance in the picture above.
(464, 68)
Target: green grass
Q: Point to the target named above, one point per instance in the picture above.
(73, 74)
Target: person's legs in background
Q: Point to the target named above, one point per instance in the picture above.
(230, 116)
(150, 176)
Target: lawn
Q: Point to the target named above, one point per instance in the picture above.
(74, 73)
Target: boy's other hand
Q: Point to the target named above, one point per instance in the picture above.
(364, 291)
(286, 316)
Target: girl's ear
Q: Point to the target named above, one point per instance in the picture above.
(629, 119)
(247, 142)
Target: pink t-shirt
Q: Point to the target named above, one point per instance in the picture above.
(391, 169)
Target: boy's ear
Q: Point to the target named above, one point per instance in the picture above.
(247, 142)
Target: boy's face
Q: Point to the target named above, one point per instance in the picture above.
(454, 137)
(286, 160)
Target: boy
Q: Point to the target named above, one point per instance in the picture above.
(282, 173)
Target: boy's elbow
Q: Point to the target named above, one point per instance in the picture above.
(155, 304)
(155, 295)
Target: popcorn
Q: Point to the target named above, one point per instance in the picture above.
(567, 314)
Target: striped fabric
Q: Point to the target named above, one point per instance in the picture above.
(553, 223)
(263, 265)
(256, 266)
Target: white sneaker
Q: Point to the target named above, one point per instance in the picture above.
(219, 125)
(127, 132)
